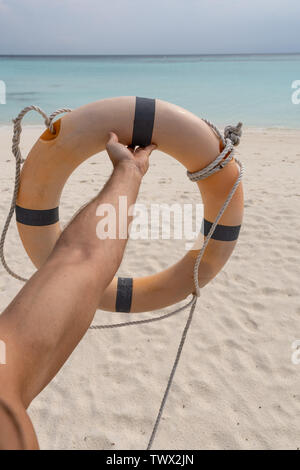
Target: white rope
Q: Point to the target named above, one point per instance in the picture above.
(231, 138)
(19, 161)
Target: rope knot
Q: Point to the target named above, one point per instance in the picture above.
(234, 133)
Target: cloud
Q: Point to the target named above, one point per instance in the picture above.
(3, 6)
(141, 27)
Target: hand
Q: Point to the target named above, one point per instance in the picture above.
(119, 153)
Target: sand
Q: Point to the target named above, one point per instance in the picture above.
(236, 386)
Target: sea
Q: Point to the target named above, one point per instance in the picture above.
(259, 90)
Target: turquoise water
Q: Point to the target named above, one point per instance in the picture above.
(253, 88)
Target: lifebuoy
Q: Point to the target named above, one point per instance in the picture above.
(137, 121)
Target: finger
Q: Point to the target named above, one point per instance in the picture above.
(148, 149)
(112, 138)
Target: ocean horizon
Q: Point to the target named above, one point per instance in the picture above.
(224, 88)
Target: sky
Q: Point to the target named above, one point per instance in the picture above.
(149, 27)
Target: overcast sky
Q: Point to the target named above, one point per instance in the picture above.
(149, 27)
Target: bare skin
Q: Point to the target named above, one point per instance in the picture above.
(52, 312)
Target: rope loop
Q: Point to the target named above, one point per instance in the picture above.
(50, 122)
(17, 123)
(231, 138)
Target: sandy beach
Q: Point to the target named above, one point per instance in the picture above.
(236, 386)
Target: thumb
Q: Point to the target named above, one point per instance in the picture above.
(112, 138)
(150, 148)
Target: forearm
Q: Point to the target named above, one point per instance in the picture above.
(49, 316)
(51, 313)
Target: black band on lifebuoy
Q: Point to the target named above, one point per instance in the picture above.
(35, 217)
(224, 233)
(143, 122)
(124, 294)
